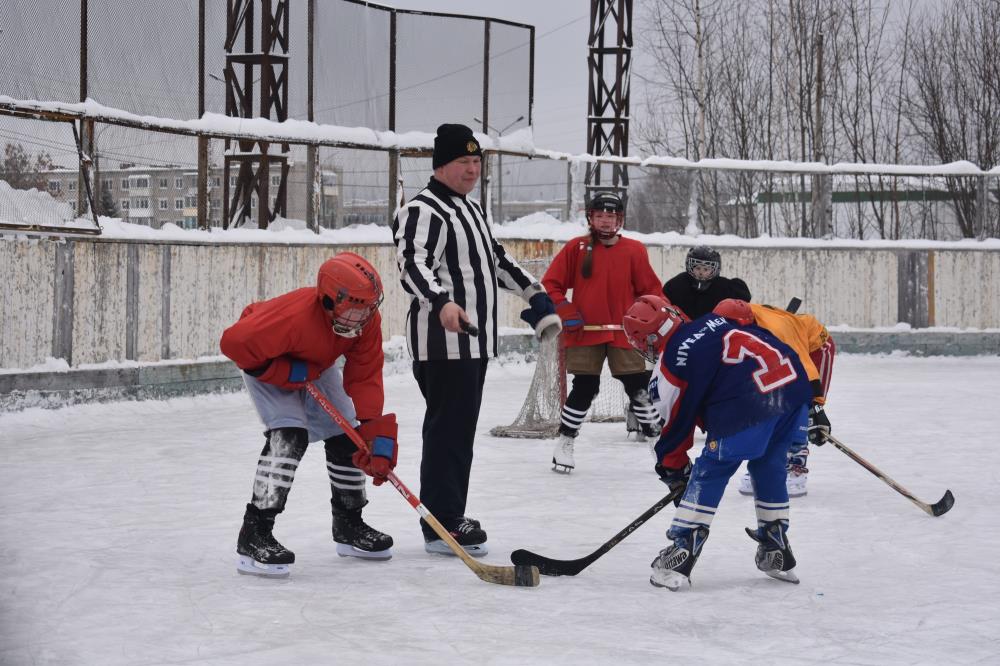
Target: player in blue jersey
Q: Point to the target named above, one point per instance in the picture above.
(749, 392)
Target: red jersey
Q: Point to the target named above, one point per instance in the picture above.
(296, 325)
(619, 275)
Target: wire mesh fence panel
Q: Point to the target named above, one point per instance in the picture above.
(352, 65)
(439, 72)
(521, 187)
(39, 179)
(143, 57)
(356, 187)
(40, 50)
(509, 75)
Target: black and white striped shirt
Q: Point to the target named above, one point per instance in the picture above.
(446, 252)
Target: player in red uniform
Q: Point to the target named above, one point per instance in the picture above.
(279, 345)
(606, 273)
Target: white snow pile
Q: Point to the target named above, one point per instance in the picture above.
(32, 207)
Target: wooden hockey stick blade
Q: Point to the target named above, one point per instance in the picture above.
(942, 506)
(548, 566)
(603, 327)
(793, 305)
(518, 576)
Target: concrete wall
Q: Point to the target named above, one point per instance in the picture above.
(96, 300)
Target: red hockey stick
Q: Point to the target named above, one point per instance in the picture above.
(520, 576)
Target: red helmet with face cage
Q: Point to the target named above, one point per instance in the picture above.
(649, 323)
(351, 290)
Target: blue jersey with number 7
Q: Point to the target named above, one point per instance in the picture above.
(726, 377)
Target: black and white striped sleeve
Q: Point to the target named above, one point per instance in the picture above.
(511, 276)
(417, 232)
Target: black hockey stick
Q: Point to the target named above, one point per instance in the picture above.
(942, 506)
(550, 567)
(793, 305)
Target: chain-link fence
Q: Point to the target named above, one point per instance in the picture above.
(384, 69)
(349, 63)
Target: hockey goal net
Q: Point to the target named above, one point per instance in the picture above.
(539, 415)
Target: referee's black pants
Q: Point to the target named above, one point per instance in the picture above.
(453, 391)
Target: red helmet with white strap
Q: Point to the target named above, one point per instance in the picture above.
(350, 290)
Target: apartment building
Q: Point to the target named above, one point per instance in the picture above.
(155, 196)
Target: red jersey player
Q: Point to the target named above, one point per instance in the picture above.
(606, 273)
(279, 345)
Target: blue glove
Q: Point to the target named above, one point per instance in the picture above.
(541, 306)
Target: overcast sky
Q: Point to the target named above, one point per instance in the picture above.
(561, 28)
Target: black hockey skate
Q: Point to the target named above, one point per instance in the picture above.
(469, 534)
(355, 538)
(672, 567)
(260, 554)
(774, 555)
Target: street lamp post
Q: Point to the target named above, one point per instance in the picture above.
(500, 163)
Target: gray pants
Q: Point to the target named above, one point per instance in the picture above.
(279, 408)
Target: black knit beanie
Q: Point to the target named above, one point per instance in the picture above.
(452, 142)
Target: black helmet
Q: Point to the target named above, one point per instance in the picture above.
(607, 201)
(703, 257)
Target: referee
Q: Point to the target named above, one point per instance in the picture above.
(451, 266)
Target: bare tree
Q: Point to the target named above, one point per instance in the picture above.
(955, 107)
(21, 171)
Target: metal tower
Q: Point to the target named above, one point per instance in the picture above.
(608, 93)
(243, 70)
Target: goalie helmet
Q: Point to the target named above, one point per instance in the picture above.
(606, 215)
(649, 323)
(350, 291)
(704, 265)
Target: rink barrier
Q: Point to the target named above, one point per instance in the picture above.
(99, 300)
(51, 390)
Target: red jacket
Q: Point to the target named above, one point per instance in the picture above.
(295, 326)
(620, 274)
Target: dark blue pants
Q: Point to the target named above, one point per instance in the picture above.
(453, 391)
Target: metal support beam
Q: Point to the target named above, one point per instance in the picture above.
(253, 158)
(608, 93)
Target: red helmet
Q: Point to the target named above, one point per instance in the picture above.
(610, 223)
(350, 289)
(649, 323)
(735, 310)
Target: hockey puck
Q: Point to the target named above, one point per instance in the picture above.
(468, 328)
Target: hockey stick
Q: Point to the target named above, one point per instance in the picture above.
(552, 567)
(942, 506)
(793, 305)
(603, 327)
(520, 576)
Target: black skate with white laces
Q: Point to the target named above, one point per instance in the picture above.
(355, 538)
(469, 534)
(774, 555)
(672, 567)
(259, 553)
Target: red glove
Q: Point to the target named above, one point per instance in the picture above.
(380, 435)
(288, 372)
(571, 318)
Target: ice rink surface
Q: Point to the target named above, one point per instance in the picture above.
(119, 522)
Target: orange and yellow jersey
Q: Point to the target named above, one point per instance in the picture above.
(801, 332)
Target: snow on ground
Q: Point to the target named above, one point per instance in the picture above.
(119, 525)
